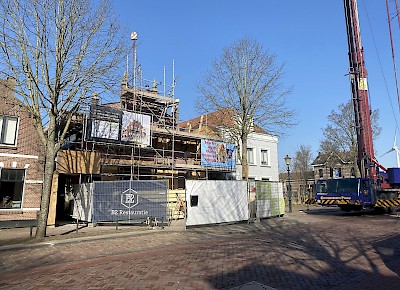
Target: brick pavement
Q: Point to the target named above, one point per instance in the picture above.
(294, 252)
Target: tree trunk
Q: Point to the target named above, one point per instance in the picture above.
(245, 165)
(50, 153)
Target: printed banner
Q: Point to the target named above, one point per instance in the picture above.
(105, 129)
(129, 200)
(118, 125)
(218, 154)
(105, 122)
(135, 128)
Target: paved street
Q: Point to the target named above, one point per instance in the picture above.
(319, 249)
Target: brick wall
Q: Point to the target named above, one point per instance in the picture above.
(27, 154)
(346, 170)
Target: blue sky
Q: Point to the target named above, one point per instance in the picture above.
(309, 37)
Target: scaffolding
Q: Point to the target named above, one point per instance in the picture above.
(138, 137)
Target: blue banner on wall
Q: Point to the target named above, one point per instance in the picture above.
(218, 154)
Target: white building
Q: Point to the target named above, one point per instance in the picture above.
(262, 157)
(262, 148)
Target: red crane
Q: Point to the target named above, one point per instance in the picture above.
(359, 88)
(367, 191)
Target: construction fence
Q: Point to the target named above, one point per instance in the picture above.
(128, 201)
(202, 202)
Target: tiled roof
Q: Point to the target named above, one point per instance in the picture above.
(323, 158)
(214, 120)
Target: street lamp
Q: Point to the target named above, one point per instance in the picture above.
(287, 161)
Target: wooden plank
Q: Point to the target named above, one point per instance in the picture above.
(75, 162)
(51, 218)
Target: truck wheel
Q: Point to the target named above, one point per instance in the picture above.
(345, 208)
(380, 210)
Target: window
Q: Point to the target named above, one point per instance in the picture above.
(250, 156)
(8, 130)
(194, 200)
(321, 172)
(264, 157)
(11, 187)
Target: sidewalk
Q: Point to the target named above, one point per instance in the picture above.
(69, 232)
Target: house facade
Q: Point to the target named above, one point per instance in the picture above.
(262, 157)
(262, 148)
(331, 165)
(21, 158)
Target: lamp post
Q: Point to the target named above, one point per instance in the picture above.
(287, 161)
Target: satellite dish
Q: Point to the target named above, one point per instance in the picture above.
(134, 36)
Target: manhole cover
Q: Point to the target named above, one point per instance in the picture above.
(253, 286)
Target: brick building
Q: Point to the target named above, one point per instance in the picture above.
(21, 158)
(331, 165)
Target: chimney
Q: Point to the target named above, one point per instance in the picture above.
(95, 99)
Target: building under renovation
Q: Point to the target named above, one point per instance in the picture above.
(137, 138)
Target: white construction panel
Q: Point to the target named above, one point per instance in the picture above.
(216, 201)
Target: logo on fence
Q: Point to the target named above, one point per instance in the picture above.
(129, 198)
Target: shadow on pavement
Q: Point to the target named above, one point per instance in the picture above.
(389, 250)
(309, 259)
(336, 211)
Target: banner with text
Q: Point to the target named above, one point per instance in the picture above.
(218, 154)
(129, 200)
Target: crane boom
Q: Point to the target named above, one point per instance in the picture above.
(359, 88)
(374, 189)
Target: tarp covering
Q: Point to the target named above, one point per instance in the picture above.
(216, 201)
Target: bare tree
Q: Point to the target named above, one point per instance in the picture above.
(245, 85)
(340, 136)
(59, 52)
(302, 166)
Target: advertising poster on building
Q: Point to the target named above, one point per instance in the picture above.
(218, 154)
(105, 122)
(135, 128)
(105, 129)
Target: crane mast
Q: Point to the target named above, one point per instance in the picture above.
(359, 89)
(375, 189)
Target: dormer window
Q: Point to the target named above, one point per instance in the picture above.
(8, 130)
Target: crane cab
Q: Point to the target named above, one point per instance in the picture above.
(347, 193)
